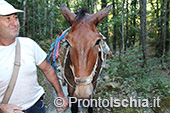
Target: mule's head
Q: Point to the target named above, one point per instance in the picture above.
(83, 39)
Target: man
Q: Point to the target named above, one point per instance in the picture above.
(27, 93)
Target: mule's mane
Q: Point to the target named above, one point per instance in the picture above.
(80, 14)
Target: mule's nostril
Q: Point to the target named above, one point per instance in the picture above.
(84, 91)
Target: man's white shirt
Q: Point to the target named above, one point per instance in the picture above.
(27, 90)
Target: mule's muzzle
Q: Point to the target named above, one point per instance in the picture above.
(84, 87)
(83, 91)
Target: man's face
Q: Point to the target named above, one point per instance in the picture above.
(9, 26)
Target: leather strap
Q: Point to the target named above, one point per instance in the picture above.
(12, 82)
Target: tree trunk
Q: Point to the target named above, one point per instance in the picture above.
(161, 38)
(158, 26)
(157, 16)
(127, 26)
(159, 46)
(167, 29)
(24, 18)
(143, 31)
(114, 27)
(51, 22)
(33, 26)
(122, 32)
(39, 20)
(164, 29)
(119, 41)
(45, 18)
(134, 23)
(92, 6)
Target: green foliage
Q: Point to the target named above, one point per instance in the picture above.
(127, 75)
(146, 81)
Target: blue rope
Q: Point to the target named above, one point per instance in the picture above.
(54, 45)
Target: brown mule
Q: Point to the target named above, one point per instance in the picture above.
(83, 62)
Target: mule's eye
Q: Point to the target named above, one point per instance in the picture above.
(97, 42)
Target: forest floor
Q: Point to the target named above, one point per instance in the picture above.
(113, 86)
(157, 84)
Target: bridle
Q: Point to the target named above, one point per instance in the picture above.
(80, 81)
(91, 79)
(85, 80)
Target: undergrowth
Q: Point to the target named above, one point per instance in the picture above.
(145, 82)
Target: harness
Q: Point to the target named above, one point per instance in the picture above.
(54, 50)
(80, 81)
(56, 62)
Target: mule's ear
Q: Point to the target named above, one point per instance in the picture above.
(99, 16)
(69, 16)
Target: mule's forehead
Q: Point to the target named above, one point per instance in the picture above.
(83, 29)
(83, 34)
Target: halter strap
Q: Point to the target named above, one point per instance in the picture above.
(85, 80)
